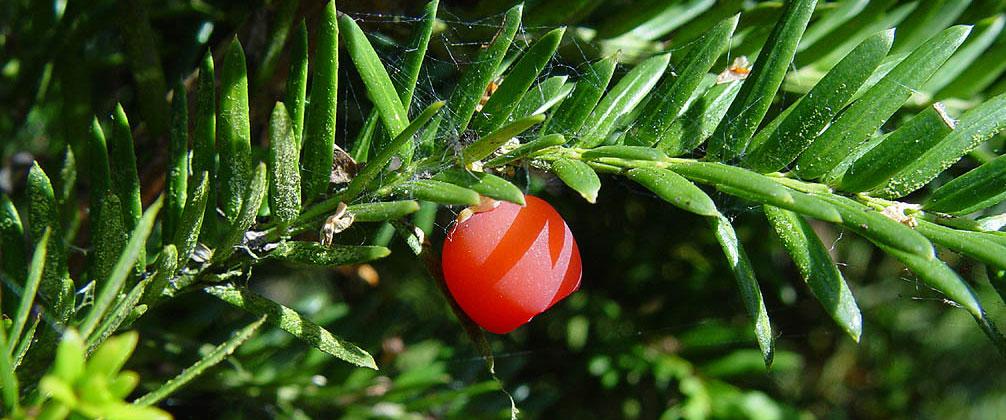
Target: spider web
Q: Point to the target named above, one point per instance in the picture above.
(450, 52)
(448, 48)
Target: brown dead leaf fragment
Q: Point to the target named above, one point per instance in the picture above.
(339, 221)
(900, 212)
(344, 167)
(485, 204)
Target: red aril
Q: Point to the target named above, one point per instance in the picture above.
(508, 264)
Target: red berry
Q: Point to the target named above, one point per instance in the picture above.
(508, 264)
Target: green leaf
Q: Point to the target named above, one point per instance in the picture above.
(360, 151)
(651, 20)
(56, 288)
(26, 342)
(998, 280)
(100, 172)
(113, 234)
(476, 78)
(695, 28)
(290, 321)
(526, 149)
(234, 133)
(187, 236)
(125, 181)
(296, 83)
(817, 269)
(249, 210)
(557, 12)
(490, 143)
(167, 266)
(70, 358)
(924, 22)
(834, 176)
(980, 75)
(28, 293)
(745, 113)
(284, 174)
(670, 97)
(409, 233)
(620, 100)
(282, 14)
(747, 283)
(176, 188)
(111, 287)
(827, 22)
(376, 165)
(108, 359)
(379, 87)
(118, 314)
(542, 97)
(319, 128)
(771, 150)
(204, 155)
(485, 184)
(973, 128)
(382, 211)
(984, 34)
(141, 50)
(870, 111)
(979, 188)
(501, 104)
(9, 389)
(59, 391)
(404, 83)
(217, 355)
(898, 149)
(878, 15)
(578, 176)
(674, 189)
(757, 187)
(66, 195)
(315, 254)
(939, 276)
(426, 217)
(699, 120)
(438, 192)
(12, 241)
(415, 54)
(985, 247)
(879, 229)
(573, 112)
(625, 152)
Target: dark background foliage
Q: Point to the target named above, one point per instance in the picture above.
(657, 329)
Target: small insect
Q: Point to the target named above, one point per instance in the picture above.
(490, 90)
(738, 70)
(458, 144)
(339, 221)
